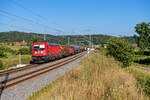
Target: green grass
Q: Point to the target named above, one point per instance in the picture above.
(138, 57)
(17, 47)
(141, 77)
(13, 60)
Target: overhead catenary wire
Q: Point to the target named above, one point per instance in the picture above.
(11, 19)
(16, 27)
(29, 20)
(20, 17)
(28, 9)
(7, 16)
(35, 14)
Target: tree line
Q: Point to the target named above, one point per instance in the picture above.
(15, 36)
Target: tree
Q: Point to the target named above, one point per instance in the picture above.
(143, 38)
(120, 50)
(24, 51)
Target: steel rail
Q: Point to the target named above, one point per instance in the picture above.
(17, 69)
(9, 71)
(18, 79)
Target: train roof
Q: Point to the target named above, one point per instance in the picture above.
(55, 44)
(74, 45)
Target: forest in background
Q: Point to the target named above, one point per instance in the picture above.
(16, 36)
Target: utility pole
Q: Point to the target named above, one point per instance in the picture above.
(76, 41)
(68, 40)
(89, 38)
(90, 41)
(19, 59)
(45, 35)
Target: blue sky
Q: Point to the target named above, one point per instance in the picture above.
(58, 17)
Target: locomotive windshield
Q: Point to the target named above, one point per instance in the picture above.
(39, 47)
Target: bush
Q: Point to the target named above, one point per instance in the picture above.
(24, 51)
(1, 65)
(15, 52)
(140, 52)
(120, 50)
(147, 87)
(142, 60)
(3, 50)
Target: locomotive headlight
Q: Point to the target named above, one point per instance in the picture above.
(35, 52)
(43, 52)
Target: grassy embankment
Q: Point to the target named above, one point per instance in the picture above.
(97, 78)
(13, 59)
(140, 75)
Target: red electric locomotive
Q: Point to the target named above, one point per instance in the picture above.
(44, 52)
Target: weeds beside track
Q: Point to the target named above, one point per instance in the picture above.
(97, 78)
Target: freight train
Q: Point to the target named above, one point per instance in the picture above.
(45, 52)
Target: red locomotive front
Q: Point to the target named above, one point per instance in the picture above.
(44, 52)
(40, 49)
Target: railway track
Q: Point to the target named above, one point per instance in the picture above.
(16, 69)
(9, 82)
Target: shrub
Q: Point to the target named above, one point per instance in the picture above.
(15, 52)
(140, 52)
(120, 50)
(24, 51)
(3, 50)
(142, 60)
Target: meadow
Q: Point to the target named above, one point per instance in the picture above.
(98, 77)
(13, 60)
(11, 56)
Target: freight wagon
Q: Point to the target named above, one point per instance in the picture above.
(67, 51)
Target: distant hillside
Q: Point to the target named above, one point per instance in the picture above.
(19, 36)
(73, 39)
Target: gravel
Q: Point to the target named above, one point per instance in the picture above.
(23, 90)
(12, 75)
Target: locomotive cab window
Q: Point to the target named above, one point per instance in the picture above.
(39, 47)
